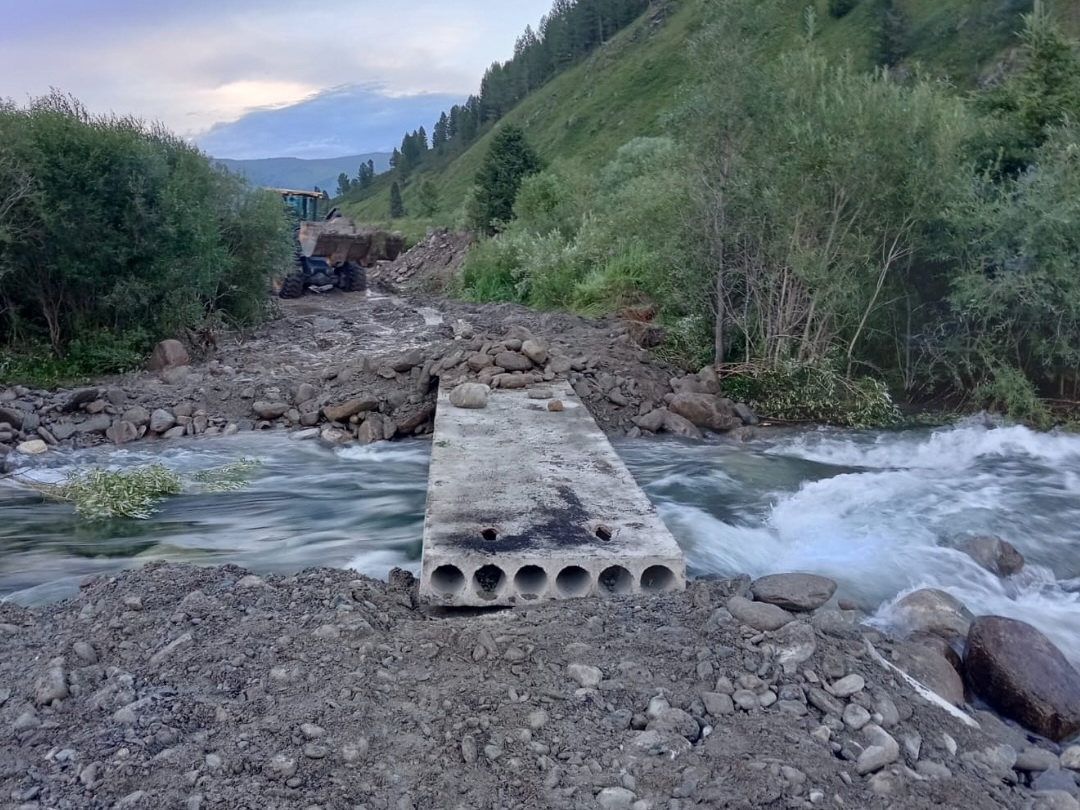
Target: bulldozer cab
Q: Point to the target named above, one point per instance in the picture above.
(302, 205)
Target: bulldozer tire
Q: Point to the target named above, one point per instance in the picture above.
(353, 277)
(292, 286)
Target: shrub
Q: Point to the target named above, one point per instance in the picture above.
(128, 235)
(812, 392)
(1011, 393)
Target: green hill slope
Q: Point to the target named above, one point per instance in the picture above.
(623, 90)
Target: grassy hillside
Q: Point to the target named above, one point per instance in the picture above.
(586, 113)
(623, 90)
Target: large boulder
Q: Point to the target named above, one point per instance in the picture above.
(704, 411)
(345, 411)
(933, 670)
(797, 592)
(122, 432)
(680, 426)
(470, 395)
(652, 421)
(34, 447)
(759, 615)
(168, 354)
(994, 554)
(269, 411)
(95, 424)
(512, 361)
(10, 416)
(929, 610)
(1020, 673)
(161, 421)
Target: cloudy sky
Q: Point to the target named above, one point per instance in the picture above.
(263, 78)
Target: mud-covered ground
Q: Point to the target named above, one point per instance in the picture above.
(196, 688)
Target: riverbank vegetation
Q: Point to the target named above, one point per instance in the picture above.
(802, 213)
(115, 234)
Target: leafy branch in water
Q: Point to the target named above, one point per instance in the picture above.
(101, 494)
(228, 477)
(810, 392)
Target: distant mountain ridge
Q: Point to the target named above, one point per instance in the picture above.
(299, 173)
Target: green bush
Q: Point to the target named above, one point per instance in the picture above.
(128, 234)
(812, 392)
(1011, 393)
(490, 272)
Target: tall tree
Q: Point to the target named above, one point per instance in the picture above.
(344, 184)
(509, 160)
(397, 207)
(441, 133)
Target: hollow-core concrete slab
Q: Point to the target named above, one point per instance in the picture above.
(527, 501)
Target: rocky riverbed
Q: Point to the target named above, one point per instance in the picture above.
(366, 367)
(178, 686)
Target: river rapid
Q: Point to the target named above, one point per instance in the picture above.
(880, 512)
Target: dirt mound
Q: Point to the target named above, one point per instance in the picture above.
(204, 688)
(431, 266)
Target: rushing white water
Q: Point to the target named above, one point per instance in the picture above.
(881, 512)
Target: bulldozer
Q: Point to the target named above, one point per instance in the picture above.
(332, 252)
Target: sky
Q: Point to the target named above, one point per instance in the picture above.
(263, 78)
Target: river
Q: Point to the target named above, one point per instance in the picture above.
(880, 512)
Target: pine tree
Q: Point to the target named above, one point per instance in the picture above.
(509, 160)
(344, 184)
(397, 207)
(440, 135)
(1043, 94)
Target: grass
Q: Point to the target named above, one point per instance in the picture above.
(624, 89)
(620, 92)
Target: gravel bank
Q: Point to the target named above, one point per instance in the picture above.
(182, 687)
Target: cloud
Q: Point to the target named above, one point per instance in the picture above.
(341, 121)
(195, 64)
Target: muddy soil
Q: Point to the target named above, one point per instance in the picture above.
(197, 688)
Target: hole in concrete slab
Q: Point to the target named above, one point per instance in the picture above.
(531, 581)
(604, 532)
(491, 534)
(657, 578)
(447, 580)
(616, 579)
(488, 581)
(573, 581)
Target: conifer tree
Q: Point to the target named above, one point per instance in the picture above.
(509, 160)
(397, 207)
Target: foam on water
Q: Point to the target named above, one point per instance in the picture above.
(946, 448)
(880, 512)
(883, 513)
